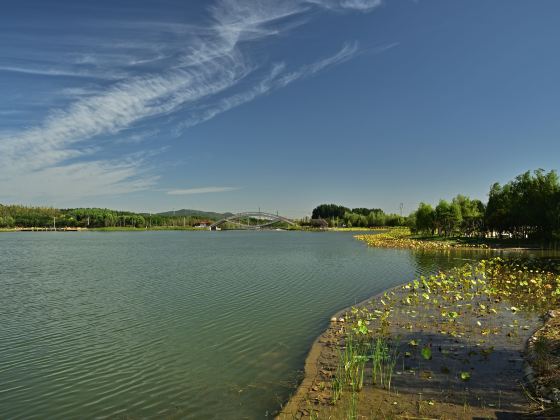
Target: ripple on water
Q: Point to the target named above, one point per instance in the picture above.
(185, 324)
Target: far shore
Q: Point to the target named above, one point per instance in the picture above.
(189, 228)
(103, 229)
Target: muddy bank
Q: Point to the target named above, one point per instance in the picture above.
(543, 361)
(458, 357)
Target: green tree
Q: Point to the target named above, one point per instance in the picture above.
(448, 217)
(425, 219)
(329, 211)
(472, 215)
(528, 206)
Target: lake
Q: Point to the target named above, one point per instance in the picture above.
(175, 324)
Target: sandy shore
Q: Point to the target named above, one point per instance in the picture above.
(317, 366)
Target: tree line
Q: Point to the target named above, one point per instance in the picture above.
(527, 207)
(12, 216)
(340, 216)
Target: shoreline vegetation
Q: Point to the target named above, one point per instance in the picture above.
(18, 217)
(445, 346)
(403, 238)
(526, 209)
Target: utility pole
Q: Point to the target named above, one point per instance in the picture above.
(401, 206)
(54, 223)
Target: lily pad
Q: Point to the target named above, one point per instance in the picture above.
(465, 376)
(427, 353)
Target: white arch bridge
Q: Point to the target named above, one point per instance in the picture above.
(252, 220)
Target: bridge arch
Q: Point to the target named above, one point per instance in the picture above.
(242, 220)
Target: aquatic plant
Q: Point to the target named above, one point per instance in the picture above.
(384, 359)
(460, 303)
(401, 238)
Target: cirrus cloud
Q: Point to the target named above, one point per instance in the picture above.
(201, 190)
(205, 67)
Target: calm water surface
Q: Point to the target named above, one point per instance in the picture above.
(174, 324)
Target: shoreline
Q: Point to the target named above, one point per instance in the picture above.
(311, 364)
(312, 396)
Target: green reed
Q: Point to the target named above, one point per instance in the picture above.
(384, 359)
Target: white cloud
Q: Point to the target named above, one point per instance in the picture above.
(59, 156)
(361, 5)
(60, 184)
(54, 71)
(276, 79)
(201, 190)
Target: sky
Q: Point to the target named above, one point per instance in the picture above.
(236, 105)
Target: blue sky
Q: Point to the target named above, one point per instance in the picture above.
(235, 105)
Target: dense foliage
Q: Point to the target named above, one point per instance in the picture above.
(11, 216)
(526, 207)
(23, 216)
(340, 216)
(329, 211)
(460, 216)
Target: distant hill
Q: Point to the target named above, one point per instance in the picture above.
(196, 213)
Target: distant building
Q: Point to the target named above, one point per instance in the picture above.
(203, 223)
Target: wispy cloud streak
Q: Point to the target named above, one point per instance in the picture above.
(201, 190)
(276, 79)
(60, 72)
(199, 77)
(361, 5)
